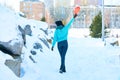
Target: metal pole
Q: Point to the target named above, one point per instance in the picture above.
(84, 20)
(102, 20)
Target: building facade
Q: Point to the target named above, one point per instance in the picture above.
(112, 17)
(33, 9)
(86, 2)
(90, 8)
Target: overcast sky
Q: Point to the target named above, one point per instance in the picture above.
(15, 3)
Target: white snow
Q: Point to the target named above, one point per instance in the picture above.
(86, 59)
(7, 24)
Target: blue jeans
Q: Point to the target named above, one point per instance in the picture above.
(62, 48)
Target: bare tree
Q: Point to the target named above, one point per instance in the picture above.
(58, 10)
(61, 13)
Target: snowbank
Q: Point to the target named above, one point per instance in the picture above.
(8, 25)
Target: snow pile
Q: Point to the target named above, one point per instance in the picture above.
(4, 70)
(36, 43)
(8, 23)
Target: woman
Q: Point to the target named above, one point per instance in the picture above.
(60, 36)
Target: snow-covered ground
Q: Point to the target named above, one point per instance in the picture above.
(87, 59)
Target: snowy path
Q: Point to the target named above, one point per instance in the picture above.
(86, 59)
(90, 60)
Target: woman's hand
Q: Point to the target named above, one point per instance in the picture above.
(52, 48)
(75, 15)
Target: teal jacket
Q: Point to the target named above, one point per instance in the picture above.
(61, 33)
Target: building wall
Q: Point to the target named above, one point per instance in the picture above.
(86, 2)
(33, 10)
(90, 8)
(65, 3)
(112, 17)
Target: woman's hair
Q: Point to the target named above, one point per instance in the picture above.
(59, 23)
